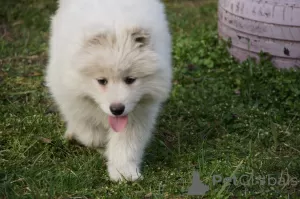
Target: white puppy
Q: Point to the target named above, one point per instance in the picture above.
(109, 72)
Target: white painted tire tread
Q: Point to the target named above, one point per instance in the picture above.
(255, 25)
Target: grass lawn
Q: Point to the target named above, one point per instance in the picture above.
(223, 118)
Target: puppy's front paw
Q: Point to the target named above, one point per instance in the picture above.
(69, 136)
(129, 172)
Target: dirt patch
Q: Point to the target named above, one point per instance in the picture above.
(33, 59)
(5, 33)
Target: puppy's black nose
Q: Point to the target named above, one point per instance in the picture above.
(117, 109)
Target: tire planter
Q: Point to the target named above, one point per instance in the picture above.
(271, 26)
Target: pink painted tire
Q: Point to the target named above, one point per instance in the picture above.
(271, 26)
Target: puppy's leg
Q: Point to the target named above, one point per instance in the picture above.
(125, 150)
(83, 121)
(86, 134)
(124, 153)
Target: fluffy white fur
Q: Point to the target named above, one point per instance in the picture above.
(110, 39)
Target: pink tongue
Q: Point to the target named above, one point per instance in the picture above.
(118, 123)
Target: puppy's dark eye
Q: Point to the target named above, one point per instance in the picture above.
(102, 81)
(140, 39)
(129, 80)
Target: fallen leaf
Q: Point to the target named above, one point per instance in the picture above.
(18, 22)
(149, 195)
(33, 74)
(45, 140)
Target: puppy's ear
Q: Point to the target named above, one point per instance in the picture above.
(141, 37)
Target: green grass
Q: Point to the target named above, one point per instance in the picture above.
(223, 118)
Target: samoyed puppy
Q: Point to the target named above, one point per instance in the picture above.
(109, 72)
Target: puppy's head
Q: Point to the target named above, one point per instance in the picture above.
(120, 70)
